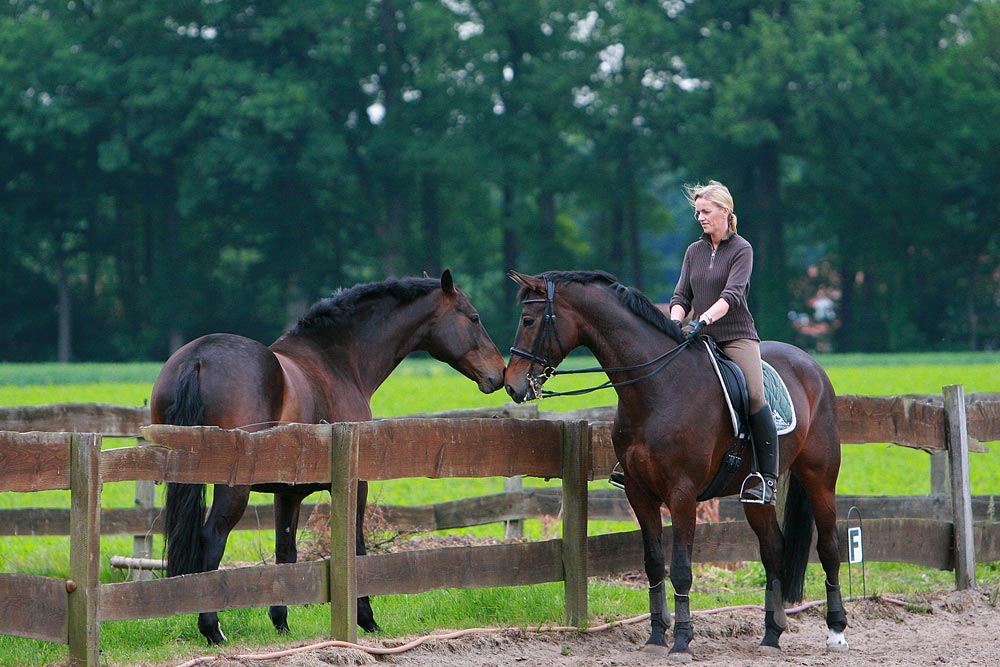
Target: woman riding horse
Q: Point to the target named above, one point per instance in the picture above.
(715, 281)
(672, 432)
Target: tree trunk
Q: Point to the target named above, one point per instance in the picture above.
(765, 227)
(510, 249)
(547, 224)
(635, 241)
(430, 210)
(65, 308)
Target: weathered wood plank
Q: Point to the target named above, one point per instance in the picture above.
(33, 607)
(343, 533)
(900, 540)
(911, 421)
(34, 461)
(575, 465)
(602, 414)
(297, 583)
(914, 541)
(602, 458)
(961, 488)
(290, 454)
(983, 415)
(400, 448)
(987, 542)
(84, 630)
(508, 411)
(532, 503)
(461, 567)
(107, 420)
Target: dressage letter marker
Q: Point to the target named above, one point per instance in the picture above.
(855, 552)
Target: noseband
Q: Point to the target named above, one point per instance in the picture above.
(550, 332)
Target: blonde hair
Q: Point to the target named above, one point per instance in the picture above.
(715, 192)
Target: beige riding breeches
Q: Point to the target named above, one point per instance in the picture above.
(746, 353)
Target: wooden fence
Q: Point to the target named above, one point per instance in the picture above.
(70, 611)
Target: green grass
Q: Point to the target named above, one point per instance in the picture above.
(425, 386)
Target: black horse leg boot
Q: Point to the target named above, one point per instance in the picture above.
(765, 446)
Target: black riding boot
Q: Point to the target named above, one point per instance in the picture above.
(761, 487)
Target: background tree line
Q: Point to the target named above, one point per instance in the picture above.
(171, 168)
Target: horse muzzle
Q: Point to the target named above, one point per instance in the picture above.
(529, 389)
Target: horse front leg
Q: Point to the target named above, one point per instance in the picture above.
(228, 505)
(682, 514)
(286, 522)
(647, 513)
(366, 617)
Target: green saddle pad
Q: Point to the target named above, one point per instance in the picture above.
(779, 399)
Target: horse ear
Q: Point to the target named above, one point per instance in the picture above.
(530, 282)
(447, 283)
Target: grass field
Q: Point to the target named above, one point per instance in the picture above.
(422, 385)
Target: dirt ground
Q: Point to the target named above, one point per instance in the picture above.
(947, 628)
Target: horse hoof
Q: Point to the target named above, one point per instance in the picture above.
(764, 649)
(371, 627)
(680, 656)
(655, 649)
(836, 642)
(216, 637)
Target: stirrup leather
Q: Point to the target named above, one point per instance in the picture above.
(617, 477)
(749, 499)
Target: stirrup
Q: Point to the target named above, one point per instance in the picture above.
(617, 477)
(747, 494)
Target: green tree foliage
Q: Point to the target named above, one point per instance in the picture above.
(174, 168)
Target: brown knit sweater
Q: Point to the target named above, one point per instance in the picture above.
(707, 275)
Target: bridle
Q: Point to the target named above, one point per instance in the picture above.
(550, 332)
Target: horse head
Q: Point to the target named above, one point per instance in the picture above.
(456, 336)
(543, 337)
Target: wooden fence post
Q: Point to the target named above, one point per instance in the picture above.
(940, 488)
(343, 533)
(575, 464)
(142, 545)
(513, 528)
(85, 549)
(956, 430)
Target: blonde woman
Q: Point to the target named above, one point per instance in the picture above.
(712, 289)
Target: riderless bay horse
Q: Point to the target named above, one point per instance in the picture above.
(326, 368)
(672, 431)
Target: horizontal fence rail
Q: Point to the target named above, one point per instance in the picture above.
(529, 503)
(938, 532)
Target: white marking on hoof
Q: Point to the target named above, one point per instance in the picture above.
(836, 642)
(768, 650)
(655, 649)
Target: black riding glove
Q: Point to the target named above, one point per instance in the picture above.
(693, 328)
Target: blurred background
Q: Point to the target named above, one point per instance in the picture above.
(172, 168)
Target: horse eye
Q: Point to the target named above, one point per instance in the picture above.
(528, 321)
(474, 318)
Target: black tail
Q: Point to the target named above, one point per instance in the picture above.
(798, 531)
(185, 509)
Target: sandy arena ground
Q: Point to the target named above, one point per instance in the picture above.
(947, 628)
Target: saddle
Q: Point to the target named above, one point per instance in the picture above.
(734, 387)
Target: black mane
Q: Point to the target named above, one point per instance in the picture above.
(629, 297)
(335, 311)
